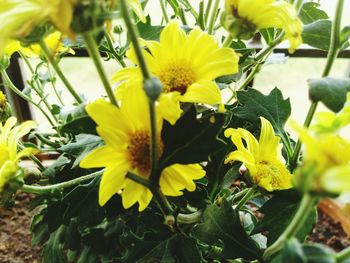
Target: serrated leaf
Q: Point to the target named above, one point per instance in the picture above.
(191, 140)
(281, 208)
(310, 12)
(318, 34)
(81, 147)
(330, 91)
(273, 107)
(222, 223)
(147, 31)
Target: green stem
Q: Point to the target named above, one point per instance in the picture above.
(162, 201)
(165, 15)
(94, 53)
(343, 255)
(117, 57)
(36, 189)
(138, 179)
(213, 16)
(207, 11)
(50, 58)
(332, 55)
(46, 141)
(200, 20)
(33, 158)
(306, 206)
(246, 198)
(228, 40)
(182, 16)
(12, 87)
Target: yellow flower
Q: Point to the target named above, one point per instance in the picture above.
(186, 65)
(261, 158)
(326, 161)
(126, 132)
(9, 156)
(244, 17)
(19, 17)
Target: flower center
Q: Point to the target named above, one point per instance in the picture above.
(139, 150)
(177, 77)
(272, 176)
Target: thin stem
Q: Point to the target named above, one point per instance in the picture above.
(94, 53)
(36, 189)
(46, 141)
(138, 179)
(33, 158)
(207, 11)
(155, 173)
(54, 85)
(200, 20)
(133, 37)
(117, 57)
(332, 55)
(50, 58)
(213, 17)
(306, 206)
(248, 195)
(228, 40)
(12, 87)
(343, 255)
(162, 201)
(165, 15)
(182, 16)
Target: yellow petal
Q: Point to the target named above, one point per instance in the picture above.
(169, 106)
(108, 116)
(336, 179)
(112, 181)
(102, 157)
(206, 92)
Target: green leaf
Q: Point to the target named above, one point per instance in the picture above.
(53, 249)
(318, 254)
(318, 34)
(281, 208)
(331, 92)
(176, 248)
(254, 104)
(191, 140)
(310, 12)
(268, 34)
(222, 223)
(147, 31)
(345, 38)
(83, 145)
(77, 121)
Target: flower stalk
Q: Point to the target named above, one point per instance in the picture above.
(50, 58)
(96, 58)
(332, 55)
(155, 172)
(36, 189)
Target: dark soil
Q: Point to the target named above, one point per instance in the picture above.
(15, 237)
(329, 233)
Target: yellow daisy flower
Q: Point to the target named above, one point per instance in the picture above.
(261, 158)
(326, 161)
(186, 65)
(244, 17)
(9, 155)
(126, 132)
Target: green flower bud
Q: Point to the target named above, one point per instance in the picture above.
(4, 62)
(153, 88)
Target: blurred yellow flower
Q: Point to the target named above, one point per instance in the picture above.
(262, 158)
(244, 17)
(126, 132)
(326, 161)
(9, 155)
(19, 17)
(186, 65)
(137, 8)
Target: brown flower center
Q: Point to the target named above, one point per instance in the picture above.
(139, 150)
(177, 77)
